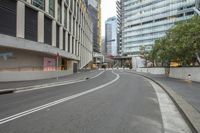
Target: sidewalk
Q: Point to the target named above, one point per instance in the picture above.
(189, 91)
(73, 77)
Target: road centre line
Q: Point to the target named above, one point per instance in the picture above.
(36, 109)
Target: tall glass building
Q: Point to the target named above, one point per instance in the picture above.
(111, 36)
(94, 10)
(144, 21)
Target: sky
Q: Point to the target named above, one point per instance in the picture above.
(108, 10)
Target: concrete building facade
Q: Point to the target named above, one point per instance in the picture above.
(144, 21)
(111, 43)
(35, 33)
(119, 29)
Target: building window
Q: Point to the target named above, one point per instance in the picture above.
(39, 3)
(69, 43)
(59, 11)
(65, 22)
(72, 45)
(31, 24)
(47, 30)
(78, 48)
(74, 25)
(52, 7)
(57, 36)
(74, 8)
(70, 23)
(64, 32)
(8, 17)
(71, 4)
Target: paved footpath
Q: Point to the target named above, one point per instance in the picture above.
(186, 96)
(73, 77)
(189, 91)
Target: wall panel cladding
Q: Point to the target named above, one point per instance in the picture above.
(31, 23)
(8, 17)
(64, 32)
(47, 30)
(57, 36)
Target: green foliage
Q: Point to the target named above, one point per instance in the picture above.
(181, 44)
(144, 53)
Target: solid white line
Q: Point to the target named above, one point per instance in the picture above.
(47, 86)
(173, 122)
(97, 75)
(33, 110)
(38, 87)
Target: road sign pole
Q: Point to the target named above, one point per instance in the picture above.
(57, 57)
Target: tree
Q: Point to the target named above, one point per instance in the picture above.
(144, 53)
(181, 44)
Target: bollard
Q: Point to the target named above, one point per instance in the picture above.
(189, 78)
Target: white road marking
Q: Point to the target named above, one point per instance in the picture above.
(173, 122)
(38, 87)
(36, 109)
(97, 75)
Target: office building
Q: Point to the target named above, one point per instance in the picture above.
(34, 33)
(94, 10)
(142, 22)
(111, 36)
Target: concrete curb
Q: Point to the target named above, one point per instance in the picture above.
(189, 113)
(7, 91)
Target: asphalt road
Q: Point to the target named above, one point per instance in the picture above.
(109, 103)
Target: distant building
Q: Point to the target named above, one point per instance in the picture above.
(119, 28)
(94, 10)
(111, 36)
(141, 22)
(103, 46)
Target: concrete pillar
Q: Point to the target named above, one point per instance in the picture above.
(61, 37)
(40, 27)
(20, 19)
(56, 9)
(63, 12)
(29, 1)
(54, 33)
(74, 28)
(47, 6)
(68, 18)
